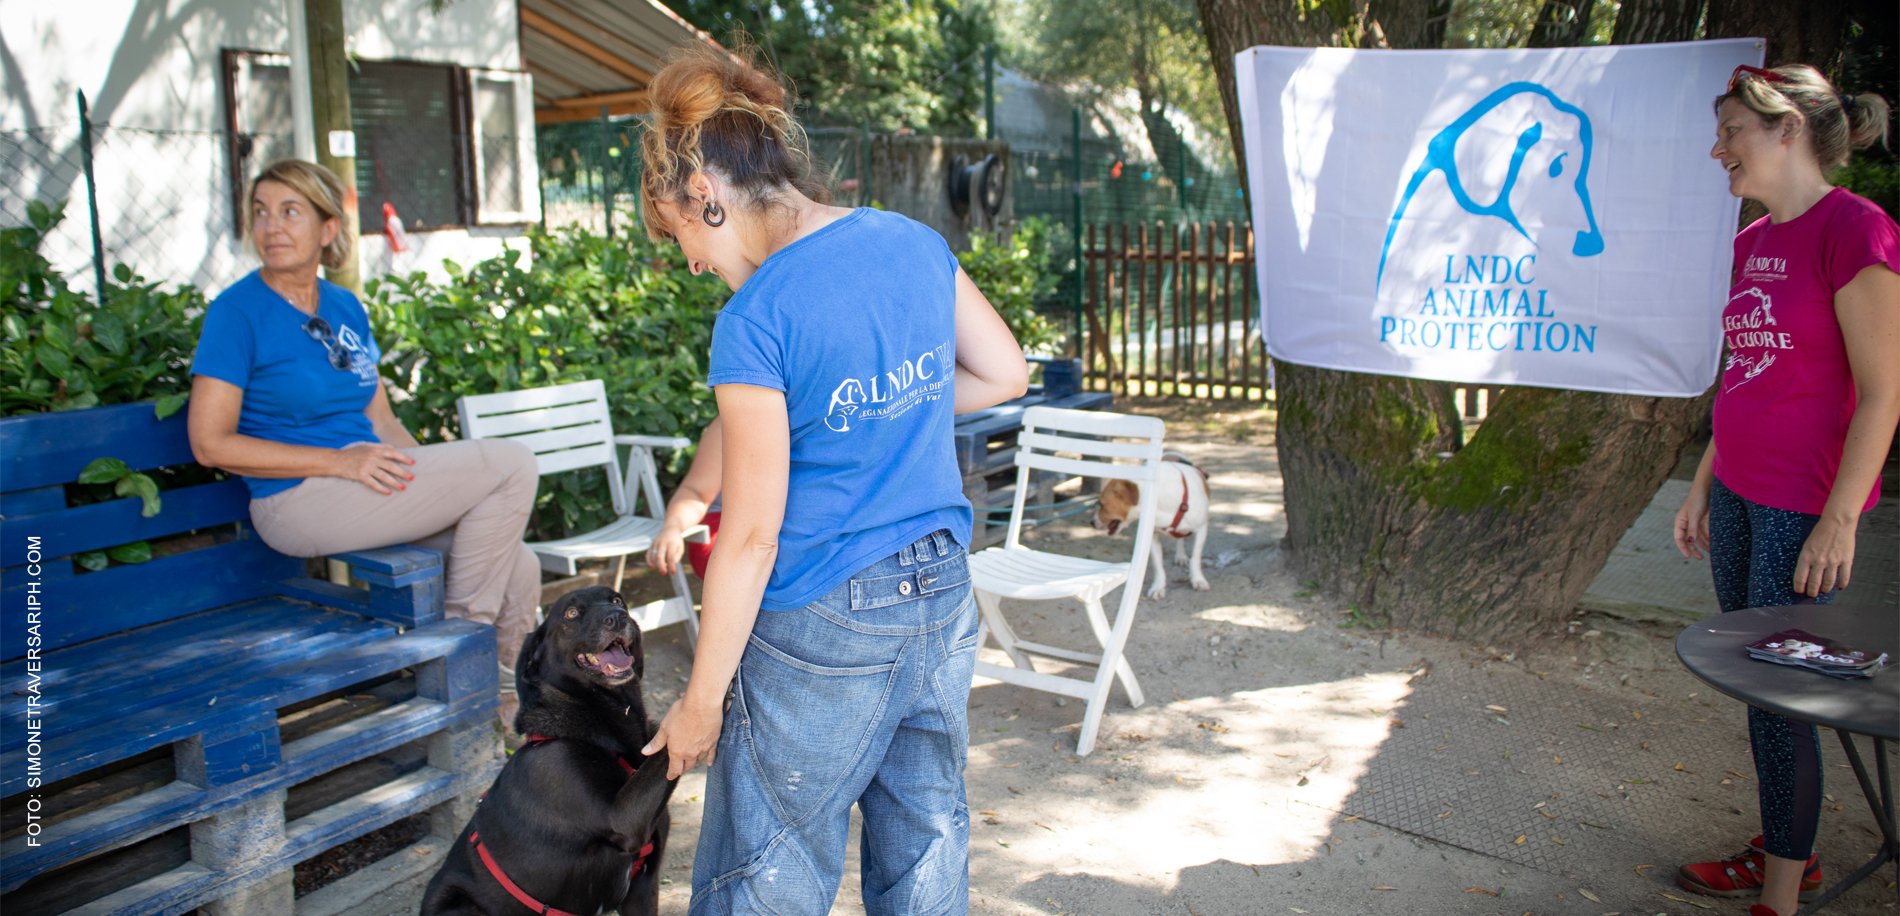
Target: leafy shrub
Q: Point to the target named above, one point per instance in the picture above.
(1015, 271)
(62, 351)
(1874, 179)
(623, 310)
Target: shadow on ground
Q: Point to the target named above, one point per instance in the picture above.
(1291, 761)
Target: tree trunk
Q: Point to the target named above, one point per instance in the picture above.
(1233, 26)
(330, 109)
(1495, 541)
(1811, 33)
(1641, 22)
(1561, 24)
(1412, 24)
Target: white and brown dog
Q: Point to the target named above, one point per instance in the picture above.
(1181, 499)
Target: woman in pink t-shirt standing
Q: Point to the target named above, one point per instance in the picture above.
(1804, 412)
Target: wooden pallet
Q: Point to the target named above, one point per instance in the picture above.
(191, 702)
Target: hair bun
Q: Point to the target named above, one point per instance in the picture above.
(715, 109)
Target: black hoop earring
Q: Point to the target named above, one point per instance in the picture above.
(714, 215)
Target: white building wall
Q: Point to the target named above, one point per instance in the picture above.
(152, 71)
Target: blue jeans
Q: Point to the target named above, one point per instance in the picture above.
(859, 698)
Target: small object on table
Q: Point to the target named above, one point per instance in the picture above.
(1803, 649)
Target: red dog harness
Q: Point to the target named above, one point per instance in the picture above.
(514, 890)
(1174, 527)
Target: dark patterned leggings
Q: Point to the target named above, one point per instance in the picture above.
(1752, 552)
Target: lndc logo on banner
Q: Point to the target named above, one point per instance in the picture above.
(1489, 299)
(1440, 156)
(1516, 217)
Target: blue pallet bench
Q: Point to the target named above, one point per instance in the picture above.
(986, 454)
(177, 734)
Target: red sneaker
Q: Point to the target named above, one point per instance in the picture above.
(1741, 876)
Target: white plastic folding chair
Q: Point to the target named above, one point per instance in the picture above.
(1086, 443)
(569, 429)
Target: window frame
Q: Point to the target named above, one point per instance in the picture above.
(234, 61)
(471, 211)
(530, 165)
(459, 159)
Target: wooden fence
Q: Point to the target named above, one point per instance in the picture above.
(1171, 311)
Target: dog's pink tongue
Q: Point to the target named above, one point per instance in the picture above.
(614, 658)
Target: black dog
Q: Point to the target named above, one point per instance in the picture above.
(576, 822)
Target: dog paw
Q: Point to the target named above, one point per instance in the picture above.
(1158, 591)
(1199, 582)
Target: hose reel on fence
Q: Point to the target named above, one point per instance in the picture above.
(989, 177)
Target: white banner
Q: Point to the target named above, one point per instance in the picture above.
(1541, 218)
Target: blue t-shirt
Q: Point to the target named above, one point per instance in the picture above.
(856, 323)
(293, 391)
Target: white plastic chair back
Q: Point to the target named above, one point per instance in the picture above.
(567, 426)
(1083, 443)
(569, 429)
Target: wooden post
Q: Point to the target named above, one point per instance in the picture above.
(1121, 261)
(1227, 313)
(330, 111)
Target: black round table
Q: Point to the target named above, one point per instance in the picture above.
(1715, 650)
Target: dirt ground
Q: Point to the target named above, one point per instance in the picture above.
(1291, 760)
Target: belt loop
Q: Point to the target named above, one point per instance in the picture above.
(942, 541)
(906, 556)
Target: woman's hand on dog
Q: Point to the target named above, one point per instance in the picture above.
(380, 467)
(689, 734)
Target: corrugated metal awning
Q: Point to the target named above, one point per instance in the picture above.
(590, 55)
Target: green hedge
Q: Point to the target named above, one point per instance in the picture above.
(1015, 270)
(64, 351)
(621, 310)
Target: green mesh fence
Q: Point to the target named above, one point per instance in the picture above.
(590, 170)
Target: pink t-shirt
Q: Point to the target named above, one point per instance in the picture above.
(1787, 392)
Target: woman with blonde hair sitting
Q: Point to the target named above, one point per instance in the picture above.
(285, 394)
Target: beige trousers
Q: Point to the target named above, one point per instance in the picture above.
(470, 500)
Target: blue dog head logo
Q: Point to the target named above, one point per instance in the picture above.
(1565, 145)
(846, 399)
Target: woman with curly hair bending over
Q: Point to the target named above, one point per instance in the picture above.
(1804, 412)
(838, 626)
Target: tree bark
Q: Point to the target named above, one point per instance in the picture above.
(1412, 23)
(1233, 26)
(1641, 22)
(1811, 33)
(1495, 541)
(330, 109)
(1561, 24)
